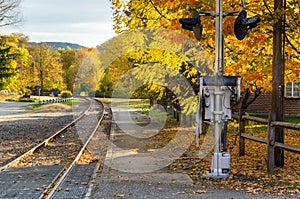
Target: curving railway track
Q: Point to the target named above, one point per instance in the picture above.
(22, 134)
(64, 150)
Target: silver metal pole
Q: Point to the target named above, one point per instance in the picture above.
(218, 63)
(218, 43)
(219, 92)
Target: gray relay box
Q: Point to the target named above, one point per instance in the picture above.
(209, 98)
(208, 86)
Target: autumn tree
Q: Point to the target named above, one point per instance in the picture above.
(250, 58)
(256, 68)
(46, 69)
(151, 59)
(88, 73)
(69, 59)
(22, 82)
(106, 84)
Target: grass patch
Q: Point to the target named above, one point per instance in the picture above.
(292, 119)
(16, 99)
(49, 108)
(143, 105)
(35, 106)
(27, 100)
(142, 108)
(287, 118)
(71, 103)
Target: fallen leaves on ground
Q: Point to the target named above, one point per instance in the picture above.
(192, 192)
(249, 172)
(119, 195)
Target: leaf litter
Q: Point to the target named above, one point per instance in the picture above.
(248, 173)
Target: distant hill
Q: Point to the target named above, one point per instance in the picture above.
(57, 45)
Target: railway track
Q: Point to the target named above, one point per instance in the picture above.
(23, 134)
(65, 149)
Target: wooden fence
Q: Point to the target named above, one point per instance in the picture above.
(271, 137)
(270, 141)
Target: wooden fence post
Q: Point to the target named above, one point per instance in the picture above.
(271, 145)
(241, 138)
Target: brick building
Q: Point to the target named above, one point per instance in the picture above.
(263, 104)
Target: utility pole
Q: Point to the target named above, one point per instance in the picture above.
(277, 112)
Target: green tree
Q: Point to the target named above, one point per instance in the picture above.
(7, 64)
(106, 85)
(13, 60)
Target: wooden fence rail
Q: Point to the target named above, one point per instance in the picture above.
(271, 137)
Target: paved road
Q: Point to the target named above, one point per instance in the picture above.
(11, 110)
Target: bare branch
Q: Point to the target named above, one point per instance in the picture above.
(290, 43)
(257, 92)
(157, 10)
(9, 12)
(268, 7)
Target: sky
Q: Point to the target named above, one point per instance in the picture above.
(84, 22)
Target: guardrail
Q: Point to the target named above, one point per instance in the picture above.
(272, 144)
(55, 100)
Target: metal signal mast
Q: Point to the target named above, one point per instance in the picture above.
(216, 91)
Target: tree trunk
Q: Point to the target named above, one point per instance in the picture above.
(246, 101)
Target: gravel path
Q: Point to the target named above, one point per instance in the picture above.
(20, 134)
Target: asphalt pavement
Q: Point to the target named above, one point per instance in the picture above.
(13, 110)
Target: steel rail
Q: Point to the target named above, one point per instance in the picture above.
(45, 142)
(61, 177)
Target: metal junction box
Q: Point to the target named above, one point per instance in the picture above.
(209, 99)
(208, 85)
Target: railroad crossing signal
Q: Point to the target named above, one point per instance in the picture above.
(193, 24)
(215, 109)
(243, 24)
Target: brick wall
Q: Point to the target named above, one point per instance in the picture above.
(262, 105)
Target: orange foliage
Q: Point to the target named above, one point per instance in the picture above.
(251, 58)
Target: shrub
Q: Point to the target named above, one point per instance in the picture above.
(26, 100)
(11, 99)
(66, 94)
(27, 93)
